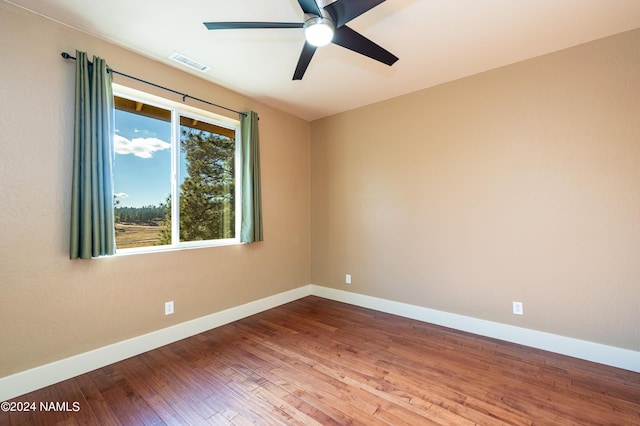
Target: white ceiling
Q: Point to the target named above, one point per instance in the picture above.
(436, 40)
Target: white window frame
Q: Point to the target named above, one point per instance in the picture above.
(177, 109)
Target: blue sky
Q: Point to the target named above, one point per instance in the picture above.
(142, 173)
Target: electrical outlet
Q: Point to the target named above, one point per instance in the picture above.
(347, 279)
(168, 308)
(517, 308)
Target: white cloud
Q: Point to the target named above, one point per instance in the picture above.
(121, 195)
(140, 147)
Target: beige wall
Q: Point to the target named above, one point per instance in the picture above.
(522, 183)
(52, 307)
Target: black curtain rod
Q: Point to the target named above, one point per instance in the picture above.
(184, 95)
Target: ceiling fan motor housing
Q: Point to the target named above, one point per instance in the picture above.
(318, 30)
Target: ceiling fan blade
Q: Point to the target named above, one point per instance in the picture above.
(250, 25)
(350, 39)
(305, 57)
(342, 11)
(309, 6)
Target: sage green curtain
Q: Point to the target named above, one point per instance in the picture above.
(92, 221)
(251, 227)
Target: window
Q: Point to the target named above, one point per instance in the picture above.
(175, 175)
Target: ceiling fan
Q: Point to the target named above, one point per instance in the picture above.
(323, 25)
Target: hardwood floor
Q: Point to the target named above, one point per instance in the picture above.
(320, 362)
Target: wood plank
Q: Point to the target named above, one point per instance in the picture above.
(320, 362)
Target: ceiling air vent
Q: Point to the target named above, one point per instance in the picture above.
(179, 57)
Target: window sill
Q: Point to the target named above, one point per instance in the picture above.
(184, 246)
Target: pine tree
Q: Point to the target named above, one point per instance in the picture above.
(207, 196)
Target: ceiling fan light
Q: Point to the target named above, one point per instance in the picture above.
(318, 31)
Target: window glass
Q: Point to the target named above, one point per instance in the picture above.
(166, 154)
(142, 174)
(207, 187)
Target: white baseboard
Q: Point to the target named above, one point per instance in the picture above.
(45, 375)
(596, 352)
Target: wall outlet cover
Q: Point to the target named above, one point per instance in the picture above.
(517, 308)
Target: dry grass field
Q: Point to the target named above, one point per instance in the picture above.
(129, 235)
